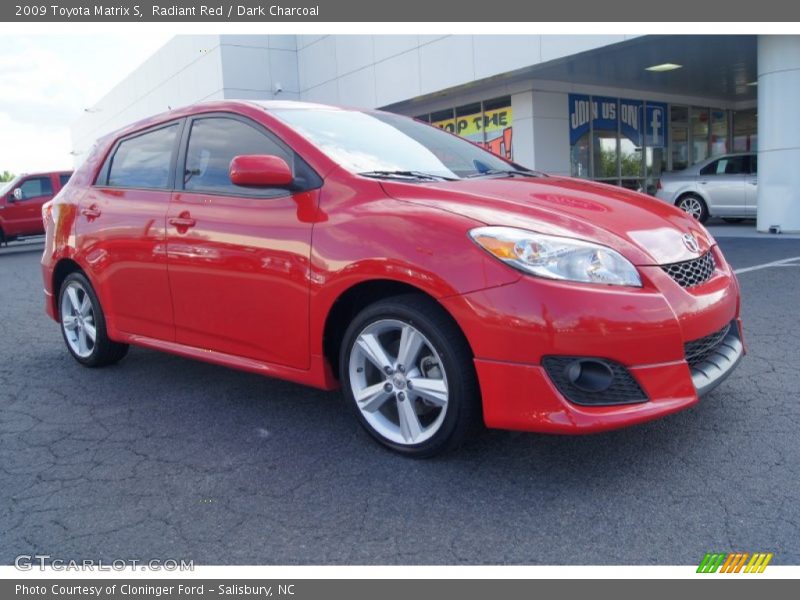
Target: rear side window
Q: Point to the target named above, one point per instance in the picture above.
(144, 161)
(214, 142)
(64, 179)
(36, 187)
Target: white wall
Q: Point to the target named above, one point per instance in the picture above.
(380, 70)
(190, 69)
(186, 70)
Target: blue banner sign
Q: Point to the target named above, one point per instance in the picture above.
(639, 125)
(655, 125)
(604, 113)
(630, 120)
(580, 113)
(601, 112)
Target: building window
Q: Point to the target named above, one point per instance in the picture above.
(679, 136)
(488, 124)
(719, 132)
(617, 140)
(498, 129)
(699, 130)
(745, 128)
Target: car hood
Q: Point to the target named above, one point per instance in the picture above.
(645, 230)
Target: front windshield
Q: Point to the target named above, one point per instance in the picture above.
(6, 187)
(382, 142)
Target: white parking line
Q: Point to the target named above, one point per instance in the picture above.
(775, 263)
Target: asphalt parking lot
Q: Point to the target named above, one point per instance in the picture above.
(161, 457)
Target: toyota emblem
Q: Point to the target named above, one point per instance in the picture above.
(691, 242)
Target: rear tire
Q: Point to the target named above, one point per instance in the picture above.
(83, 324)
(694, 206)
(412, 370)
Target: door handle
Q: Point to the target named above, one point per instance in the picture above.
(754, 182)
(91, 212)
(704, 181)
(182, 222)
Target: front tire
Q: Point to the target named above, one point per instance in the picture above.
(83, 324)
(694, 206)
(408, 373)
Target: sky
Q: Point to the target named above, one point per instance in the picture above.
(47, 81)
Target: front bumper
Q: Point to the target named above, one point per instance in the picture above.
(513, 328)
(719, 362)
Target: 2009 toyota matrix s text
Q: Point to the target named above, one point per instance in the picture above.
(437, 283)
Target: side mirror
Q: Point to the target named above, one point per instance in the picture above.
(260, 170)
(17, 193)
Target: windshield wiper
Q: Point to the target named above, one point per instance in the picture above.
(419, 175)
(508, 172)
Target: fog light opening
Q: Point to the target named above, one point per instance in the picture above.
(589, 375)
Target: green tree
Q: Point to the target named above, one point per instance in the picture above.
(6, 176)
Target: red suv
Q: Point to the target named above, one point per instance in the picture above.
(21, 203)
(436, 283)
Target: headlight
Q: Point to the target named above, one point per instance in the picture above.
(556, 257)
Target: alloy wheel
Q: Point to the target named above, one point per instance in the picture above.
(78, 319)
(398, 381)
(692, 206)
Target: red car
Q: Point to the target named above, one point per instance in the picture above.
(21, 201)
(436, 283)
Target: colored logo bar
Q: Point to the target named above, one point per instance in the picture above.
(734, 562)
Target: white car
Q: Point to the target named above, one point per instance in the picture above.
(723, 186)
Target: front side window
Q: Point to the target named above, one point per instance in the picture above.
(732, 165)
(382, 142)
(213, 144)
(144, 161)
(36, 187)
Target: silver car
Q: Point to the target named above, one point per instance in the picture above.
(723, 186)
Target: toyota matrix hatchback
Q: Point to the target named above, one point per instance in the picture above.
(438, 284)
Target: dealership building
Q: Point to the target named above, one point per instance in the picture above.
(615, 108)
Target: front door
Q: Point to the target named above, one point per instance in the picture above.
(121, 231)
(723, 183)
(238, 257)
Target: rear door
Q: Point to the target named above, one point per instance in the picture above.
(121, 231)
(722, 181)
(239, 257)
(23, 216)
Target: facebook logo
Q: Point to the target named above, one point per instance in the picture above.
(655, 125)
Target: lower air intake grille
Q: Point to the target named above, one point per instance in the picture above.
(699, 350)
(622, 388)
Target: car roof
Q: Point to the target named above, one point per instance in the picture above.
(215, 105)
(292, 104)
(44, 173)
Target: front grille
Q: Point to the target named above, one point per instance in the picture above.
(691, 272)
(699, 350)
(624, 389)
